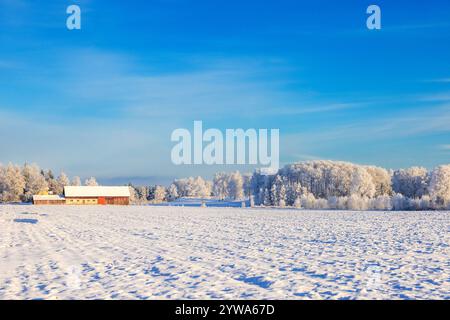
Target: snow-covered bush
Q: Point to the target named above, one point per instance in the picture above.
(321, 204)
(382, 202)
(337, 203)
(426, 203)
(308, 201)
(356, 202)
(298, 203)
(399, 202)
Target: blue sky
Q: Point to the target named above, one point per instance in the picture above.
(104, 100)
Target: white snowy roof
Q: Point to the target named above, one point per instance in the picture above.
(86, 191)
(47, 197)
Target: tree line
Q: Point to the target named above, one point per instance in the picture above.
(20, 183)
(318, 184)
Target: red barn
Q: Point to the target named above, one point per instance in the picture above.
(97, 195)
(48, 199)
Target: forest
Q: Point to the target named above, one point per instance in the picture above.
(318, 184)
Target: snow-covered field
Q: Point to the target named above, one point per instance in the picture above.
(179, 252)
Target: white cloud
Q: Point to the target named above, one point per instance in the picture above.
(207, 89)
(400, 125)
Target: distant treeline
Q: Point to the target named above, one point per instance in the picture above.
(311, 185)
(20, 183)
(319, 185)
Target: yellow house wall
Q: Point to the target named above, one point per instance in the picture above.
(81, 201)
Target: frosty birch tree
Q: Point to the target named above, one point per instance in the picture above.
(193, 187)
(159, 194)
(220, 185)
(12, 183)
(76, 181)
(91, 182)
(53, 184)
(63, 181)
(235, 186)
(34, 181)
(381, 179)
(411, 182)
(172, 192)
(440, 186)
(362, 184)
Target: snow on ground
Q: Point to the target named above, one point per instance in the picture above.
(209, 202)
(68, 252)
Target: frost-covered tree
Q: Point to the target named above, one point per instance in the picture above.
(193, 187)
(321, 204)
(236, 186)
(293, 192)
(62, 181)
(12, 183)
(229, 185)
(298, 203)
(440, 186)
(201, 188)
(426, 203)
(357, 202)
(52, 182)
(382, 202)
(91, 182)
(259, 183)
(76, 181)
(140, 194)
(362, 184)
(325, 179)
(172, 192)
(337, 203)
(247, 184)
(267, 199)
(308, 201)
(220, 185)
(34, 181)
(159, 194)
(134, 199)
(282, 196)
(381, 178)
(273, 194)
(411, 182)
(279, 191)
(399, 202)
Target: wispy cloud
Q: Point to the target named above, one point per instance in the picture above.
(443, 80)
(208, 88)
(437, 97)
(114, 101)
(6, 64)
(398, 126)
